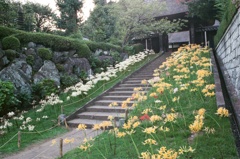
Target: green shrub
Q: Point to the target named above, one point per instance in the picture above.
(77, 36)
(67, 80)
(44, 88)
(138, 48)
(227, 19)
(10, 42)
(4, 32)
(7, 97)
(60, 67)
(93, 46)
(55, 42)
(11, 54)
(25, 99)
(128, 49)
(30, 59)
(44, 53)
(116, 56)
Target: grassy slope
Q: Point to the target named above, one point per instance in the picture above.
(219, 144)
(53, 111)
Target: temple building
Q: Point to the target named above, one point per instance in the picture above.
(192, 32)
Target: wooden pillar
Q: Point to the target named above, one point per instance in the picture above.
(161, 43)
(192, 31)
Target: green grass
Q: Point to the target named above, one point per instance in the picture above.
(41, 131)
(220, 144)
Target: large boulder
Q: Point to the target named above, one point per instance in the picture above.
(61, 57)
(31, 45)
(76, 65)
(19, 73)
(3, 62)
(47, 71)
(38, 61)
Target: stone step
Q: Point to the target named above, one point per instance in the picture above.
(122, 93)
(133, 81)
(111, 97)
(131, 85)
(129, 88)
(88, 122)
(108, 102)
(98, 108)
(100, 115)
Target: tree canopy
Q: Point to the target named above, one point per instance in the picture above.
(70, 16)
(136, 18)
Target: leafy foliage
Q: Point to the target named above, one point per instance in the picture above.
(38, 17)
(139, 21)
(44, 53)
(101, 24)
(30, 59)
(229, 13)
(11, 54)
(67, 80)
(44, 88)
(10, 42)
(7, 97)
(69, 18)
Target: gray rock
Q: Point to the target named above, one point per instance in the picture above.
(124, 56)
(38, 61)
(3, 62)
(19, 73)
(31, 45)
(2, 53)
(104, 58)
(98, 52)
(60, 57)
(76, 65)
(47, 71)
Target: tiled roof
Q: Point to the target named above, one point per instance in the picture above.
(173, 7)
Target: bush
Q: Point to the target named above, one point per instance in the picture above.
(93, 46)
(77, 36)
(116, 56)
(44, 53)
(55, 42)
(60, 67)
(44, 88)
(11, 54)
(67, 80)
(7, 97)
(25, 99)
(227, 19)
(138, 48)
(30, 59)
(10, 42)
(4, 32)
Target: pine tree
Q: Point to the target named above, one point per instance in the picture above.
(69, 15)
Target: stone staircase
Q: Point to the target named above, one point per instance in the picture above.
(98, 110)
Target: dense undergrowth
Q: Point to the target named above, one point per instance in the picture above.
(178, 118)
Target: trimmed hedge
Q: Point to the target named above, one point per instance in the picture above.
(227, 19)
(4, 32)
(10, 42)
(55, 42)
(93, 46)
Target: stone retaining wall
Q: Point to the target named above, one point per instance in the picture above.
(228, 56)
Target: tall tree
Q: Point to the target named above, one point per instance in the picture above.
(8, 13)
(101, 24)
(70, 15)
(39, 16)
(136, 18)
(205, 10)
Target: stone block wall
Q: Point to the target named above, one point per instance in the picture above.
(228, 53)
(228, 57)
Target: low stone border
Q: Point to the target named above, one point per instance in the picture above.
(218, 88)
